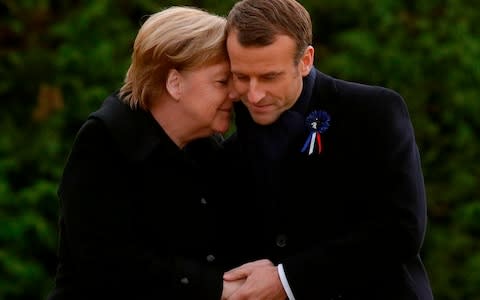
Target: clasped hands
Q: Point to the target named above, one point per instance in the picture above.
(257, 280)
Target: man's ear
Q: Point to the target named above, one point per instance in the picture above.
(306, 61)
(174, 84)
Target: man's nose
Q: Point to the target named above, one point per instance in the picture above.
(255, 94)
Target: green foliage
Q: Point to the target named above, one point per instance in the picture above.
(60, 59)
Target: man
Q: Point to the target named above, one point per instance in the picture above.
(329, 171)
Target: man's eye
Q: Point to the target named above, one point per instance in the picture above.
(270, 77)
(241, 77)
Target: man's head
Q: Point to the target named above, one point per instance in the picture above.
(269, 44)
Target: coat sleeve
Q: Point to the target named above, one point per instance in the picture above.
(98, 240)
(392, 230)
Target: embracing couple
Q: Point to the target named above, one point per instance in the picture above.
(317, 194)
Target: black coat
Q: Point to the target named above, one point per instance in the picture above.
(136, 221)
(348, 222)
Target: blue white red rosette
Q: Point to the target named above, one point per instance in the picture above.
(317, 123)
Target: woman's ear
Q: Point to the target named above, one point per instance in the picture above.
(174, 84)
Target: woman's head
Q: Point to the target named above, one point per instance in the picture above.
(181, 38)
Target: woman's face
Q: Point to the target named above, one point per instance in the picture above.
(207, 98)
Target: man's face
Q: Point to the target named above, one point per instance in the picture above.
(267, 78)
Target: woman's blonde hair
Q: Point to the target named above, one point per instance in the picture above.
(179, 37)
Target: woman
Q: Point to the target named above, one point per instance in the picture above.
(135, 217)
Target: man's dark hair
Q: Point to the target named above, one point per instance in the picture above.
(258, 22)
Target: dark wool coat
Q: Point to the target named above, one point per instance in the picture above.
(136, 220)
(348, 222)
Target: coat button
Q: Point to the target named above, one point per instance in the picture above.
(210, 258)
(281, 240)
(203, 201)
(184, 281)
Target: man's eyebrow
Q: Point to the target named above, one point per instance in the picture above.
(272, 73)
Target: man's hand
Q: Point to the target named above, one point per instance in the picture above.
(229, 287)
(261, 281)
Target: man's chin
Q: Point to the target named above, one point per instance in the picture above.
(263, 119)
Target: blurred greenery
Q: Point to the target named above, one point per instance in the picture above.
(60, 59)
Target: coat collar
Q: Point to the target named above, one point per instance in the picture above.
(136, 132)
(272, 141)
(324, 92)
(317, 93)
(302, 104)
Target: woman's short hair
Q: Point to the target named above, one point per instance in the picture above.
(258, 22)
(178, 37)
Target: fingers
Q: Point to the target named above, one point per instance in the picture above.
(229, 287)
(236, 274)
(263, 283)
(246, 269)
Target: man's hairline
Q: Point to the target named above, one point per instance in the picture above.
(296, 60)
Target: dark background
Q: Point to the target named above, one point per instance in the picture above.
(60, 59)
